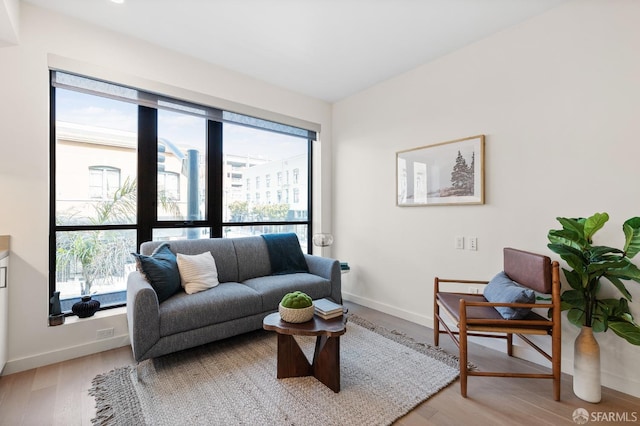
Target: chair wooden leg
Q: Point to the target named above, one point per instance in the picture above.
(436, 312)
(556, 389)
(463, 361)
(556, 363)
(509, 344)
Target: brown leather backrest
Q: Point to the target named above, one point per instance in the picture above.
(528, 269)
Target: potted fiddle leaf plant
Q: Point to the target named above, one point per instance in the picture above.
(591, 266)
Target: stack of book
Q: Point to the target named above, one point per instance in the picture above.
(326, 309)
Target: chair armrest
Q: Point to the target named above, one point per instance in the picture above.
(446, 280)
(329, 269)
(437, 281)
(143, 315)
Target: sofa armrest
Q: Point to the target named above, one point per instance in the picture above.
(329, 269)
(143, 315)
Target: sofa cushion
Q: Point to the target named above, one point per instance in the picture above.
(221, 249)
(285, 254)
(272, 288)
(197, 272)
(502, 289)
(253, 258)
(224, 302)
(160, 269)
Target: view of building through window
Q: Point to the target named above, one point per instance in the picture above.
(98, 177)
(252, 155)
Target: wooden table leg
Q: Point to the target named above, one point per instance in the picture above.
(292, 362)
(326, 362)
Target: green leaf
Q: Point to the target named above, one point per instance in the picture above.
(601, 314)
(627, 317)
(566, 237)
(631, 230)
(622, 310)
(597, 252)
(574, 298)
(564, 306)
(599, 325)
(593, 224)
(576, 225)
(576, 317)
(629, 272)
(574, 279)
(604, 266)
(618, 284)
(612, 307)
(629, 332)
(572, 256)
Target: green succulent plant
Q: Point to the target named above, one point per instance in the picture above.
(589, 265)
(296, 300)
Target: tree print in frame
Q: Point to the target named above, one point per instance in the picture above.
(442, 174)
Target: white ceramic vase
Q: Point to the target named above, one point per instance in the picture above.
(586, 366)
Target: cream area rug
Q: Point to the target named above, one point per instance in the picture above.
(384, 375)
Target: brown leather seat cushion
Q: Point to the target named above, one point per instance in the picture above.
(451, 302)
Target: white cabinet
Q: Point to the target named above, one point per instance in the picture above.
(4, 299)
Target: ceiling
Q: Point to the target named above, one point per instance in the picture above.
(327, 49)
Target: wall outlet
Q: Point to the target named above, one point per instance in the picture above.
(105, 333)
(473, 243)
(459, 243)
(474, 290)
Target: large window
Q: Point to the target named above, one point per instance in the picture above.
(129, 166)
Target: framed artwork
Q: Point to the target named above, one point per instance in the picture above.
(447, 173)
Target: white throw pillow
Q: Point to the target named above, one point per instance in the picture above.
(197, 272)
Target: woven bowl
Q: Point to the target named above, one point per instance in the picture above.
(296, 315)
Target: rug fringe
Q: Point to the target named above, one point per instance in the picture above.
(99, 390)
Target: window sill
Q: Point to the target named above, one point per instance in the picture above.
(100, 314)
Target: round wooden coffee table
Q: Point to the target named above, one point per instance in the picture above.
(326, 358)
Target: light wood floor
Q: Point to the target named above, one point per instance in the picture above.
(57, 394)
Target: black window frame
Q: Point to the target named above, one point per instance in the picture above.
(147, 220)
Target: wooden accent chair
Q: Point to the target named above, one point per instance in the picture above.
(475, 316)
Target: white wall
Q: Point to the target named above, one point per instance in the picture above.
(558, 98)
(9, 22)
(24, 162)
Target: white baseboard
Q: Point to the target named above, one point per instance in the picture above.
(624, 384)
(388, 309)
(35, 361)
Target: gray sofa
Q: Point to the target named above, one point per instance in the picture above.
(246, 294)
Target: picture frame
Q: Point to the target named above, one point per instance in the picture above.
(447, 173)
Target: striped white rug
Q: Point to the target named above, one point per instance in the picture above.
(233, 382)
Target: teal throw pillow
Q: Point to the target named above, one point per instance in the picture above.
(502, 289)
(161, 271)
